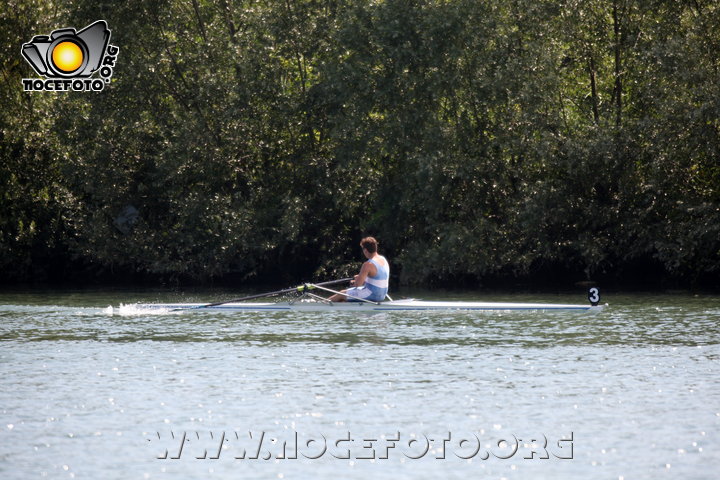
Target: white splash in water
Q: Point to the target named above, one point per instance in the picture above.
(137, 309)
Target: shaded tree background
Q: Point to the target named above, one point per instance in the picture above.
(257, 140)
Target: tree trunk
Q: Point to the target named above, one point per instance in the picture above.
(593, 89)
(618, 66)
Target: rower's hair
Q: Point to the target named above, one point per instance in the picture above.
(369, 244)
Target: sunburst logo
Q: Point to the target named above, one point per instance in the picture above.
(68, 59)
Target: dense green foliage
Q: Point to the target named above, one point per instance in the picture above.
(475, 139)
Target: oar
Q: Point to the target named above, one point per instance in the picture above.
(299, 288)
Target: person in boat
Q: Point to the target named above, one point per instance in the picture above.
(372, 281)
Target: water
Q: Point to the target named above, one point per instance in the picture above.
(630, 393)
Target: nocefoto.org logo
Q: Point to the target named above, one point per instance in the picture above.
(68, 59)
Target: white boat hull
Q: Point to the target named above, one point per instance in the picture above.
(389, 306)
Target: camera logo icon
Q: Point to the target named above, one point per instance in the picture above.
(68, 58)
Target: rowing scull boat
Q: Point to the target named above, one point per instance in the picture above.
(387, 306)
(308, 301)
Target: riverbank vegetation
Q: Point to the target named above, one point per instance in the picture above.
(256, 140)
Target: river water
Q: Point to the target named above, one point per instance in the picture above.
(629, 393)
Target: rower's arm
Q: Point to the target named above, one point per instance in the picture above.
(365, 271)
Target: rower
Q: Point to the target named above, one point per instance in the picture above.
(372, 281)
